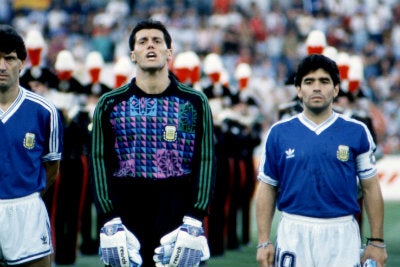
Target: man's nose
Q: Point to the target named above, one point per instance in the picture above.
(2, 63)
(317, 86)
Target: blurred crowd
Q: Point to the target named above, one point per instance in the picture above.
(85, 51)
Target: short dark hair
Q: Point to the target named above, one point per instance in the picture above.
(11, 41)
(317, 61)
(149, 24)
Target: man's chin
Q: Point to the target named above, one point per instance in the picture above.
(152, 68)
(317, 110)
(3, 88)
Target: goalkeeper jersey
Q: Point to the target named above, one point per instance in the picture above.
(153, 138)
(315, 167)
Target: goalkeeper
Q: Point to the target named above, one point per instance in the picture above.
(153, 162)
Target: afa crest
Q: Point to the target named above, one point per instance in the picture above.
(29, 140)
(170, 133)
(343, 153)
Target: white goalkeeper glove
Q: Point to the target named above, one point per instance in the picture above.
(186, 246)
(118, 246)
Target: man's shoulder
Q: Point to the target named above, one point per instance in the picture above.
(193, 95)
(286, 122)
(350, 121)
(111, 96)
(37, 98)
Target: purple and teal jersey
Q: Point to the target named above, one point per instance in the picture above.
(31, 133)
(154, 138)
(315, 167)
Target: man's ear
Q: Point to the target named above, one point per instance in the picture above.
(336, 91)
(133, 56)
(169, 54)
(298, 90)
(23, 62)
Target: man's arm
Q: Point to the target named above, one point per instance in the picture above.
(265, 209)
(204, 168)
(52, 168)
(374, 207)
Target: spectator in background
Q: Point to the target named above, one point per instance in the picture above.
(95, 88)
(5, 12)
(101, 40)
(69, 186)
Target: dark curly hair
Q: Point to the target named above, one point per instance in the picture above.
(11, 41)
(316, 61)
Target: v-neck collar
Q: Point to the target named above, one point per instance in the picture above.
(318, 128)
(6, 114)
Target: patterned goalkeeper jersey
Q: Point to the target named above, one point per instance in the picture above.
(154, 137)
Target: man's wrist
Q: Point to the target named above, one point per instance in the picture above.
(376, 242)
(264, 244)
(369, 239)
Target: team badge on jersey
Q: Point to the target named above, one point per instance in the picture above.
(29, 140)
(170, 133)
(343, 153)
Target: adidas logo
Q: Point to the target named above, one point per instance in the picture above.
(44, 239)
(289, 153)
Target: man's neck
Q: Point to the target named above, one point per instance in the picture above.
(152, 84)
(318, 118)
(8, 97)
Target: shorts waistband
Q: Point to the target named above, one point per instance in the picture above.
(19, 199)
(300, 218)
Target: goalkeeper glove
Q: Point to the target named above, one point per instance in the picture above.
(118, 246)
(185, 246)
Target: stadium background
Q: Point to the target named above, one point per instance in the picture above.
(370, 28)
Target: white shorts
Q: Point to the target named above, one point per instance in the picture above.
(312, 242)
(25, 230)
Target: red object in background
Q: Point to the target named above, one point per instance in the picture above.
(214, 77)
(64, 75)
(222, 6)
(182, 74)
(243, 83)
(120, 80)
(34, 55)
(353, 85)
(195, 75)
(94, 75)
(315, 50)
(343, 71)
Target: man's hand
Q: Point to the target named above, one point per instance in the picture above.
(118, 246)
(185, 246)
(266, 255)
(378, 254)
